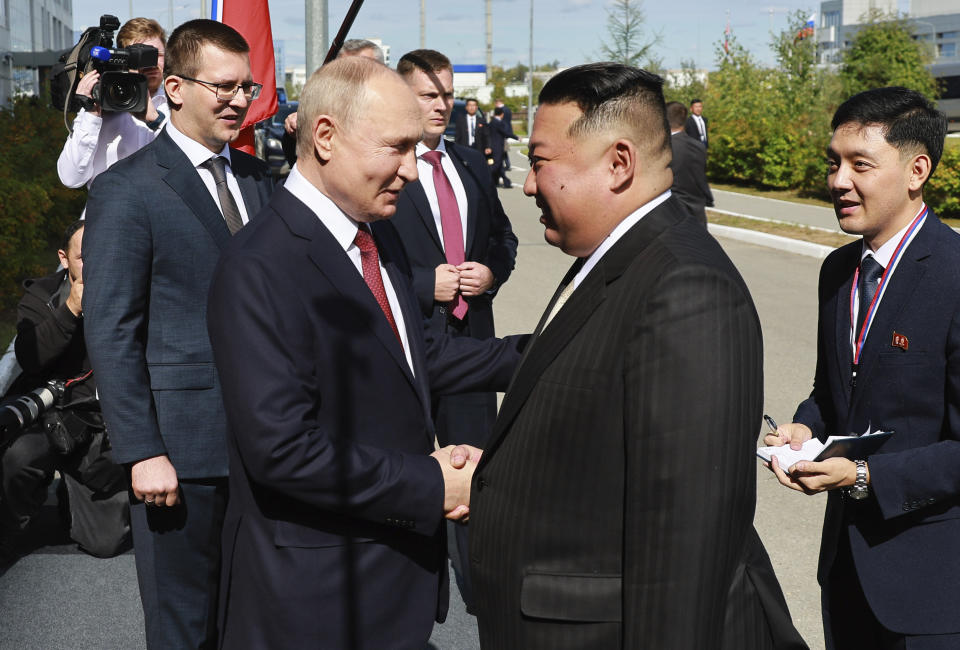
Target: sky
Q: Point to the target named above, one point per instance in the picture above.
(568, 31)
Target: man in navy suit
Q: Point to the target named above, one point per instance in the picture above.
(696, 126)
(156, 222)
(888, 358)
(459, 250)
(334, 536)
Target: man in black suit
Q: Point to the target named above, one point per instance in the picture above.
(334, 535)
(888, 358)
(696, 126)
(156, 222)
(461, 250)
(508, 121)
(472, 128)
(498, 132)
(689, 165)
(613, 507)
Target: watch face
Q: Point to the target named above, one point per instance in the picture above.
(858, 492)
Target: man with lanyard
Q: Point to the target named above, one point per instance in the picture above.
(888, 358)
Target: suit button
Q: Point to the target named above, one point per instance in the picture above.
(443, 310)
(906, 507)
(482, 483)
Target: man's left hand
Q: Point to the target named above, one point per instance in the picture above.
(475, 279)
(813, 478)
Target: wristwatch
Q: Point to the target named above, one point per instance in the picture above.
(860, 489)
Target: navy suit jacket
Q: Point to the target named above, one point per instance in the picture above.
(693, 130)
(333, 534)
(152, 237)
(689, 165)
(490, 239)
(904, 537)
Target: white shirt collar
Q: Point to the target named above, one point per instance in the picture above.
(343, 228)
(616, 234)
(196, 152)
(885, 252)
(422, 148)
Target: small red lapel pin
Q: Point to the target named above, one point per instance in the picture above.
(900, 341)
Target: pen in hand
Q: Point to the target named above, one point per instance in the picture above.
(771, 423)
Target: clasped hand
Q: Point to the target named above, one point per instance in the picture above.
(457, 464)
(468, 279)
(806, 475)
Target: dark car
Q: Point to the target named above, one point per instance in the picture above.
(459, 108)
(268, 135)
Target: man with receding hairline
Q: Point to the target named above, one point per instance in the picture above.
(156, 222)
(334, 535)
(613, 507)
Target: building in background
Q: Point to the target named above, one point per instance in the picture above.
(33, 33)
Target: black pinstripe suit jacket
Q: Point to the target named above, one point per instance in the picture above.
(614, 505)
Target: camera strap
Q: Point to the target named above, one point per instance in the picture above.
(70, 64)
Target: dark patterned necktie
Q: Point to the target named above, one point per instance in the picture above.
(870, 273)
(231, 213)
(370, 262)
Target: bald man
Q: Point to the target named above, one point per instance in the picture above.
(334, 535)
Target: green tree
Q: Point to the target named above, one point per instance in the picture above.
(626, 42)
(883, 53)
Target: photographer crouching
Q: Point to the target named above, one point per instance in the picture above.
(102, 137)
(69, 436)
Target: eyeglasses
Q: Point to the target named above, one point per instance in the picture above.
(226, 92)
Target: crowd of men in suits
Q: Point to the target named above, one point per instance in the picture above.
(299, 381)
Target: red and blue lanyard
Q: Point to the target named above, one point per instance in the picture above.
(887, 272)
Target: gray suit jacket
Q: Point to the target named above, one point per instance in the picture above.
(152, 239)
(614, 505)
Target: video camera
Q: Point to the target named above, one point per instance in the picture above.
(118, 90)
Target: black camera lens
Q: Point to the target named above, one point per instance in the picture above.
(122, 94)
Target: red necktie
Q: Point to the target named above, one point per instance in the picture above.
(370, 261)
(449, 222)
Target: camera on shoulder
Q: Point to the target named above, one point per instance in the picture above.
(118, 90)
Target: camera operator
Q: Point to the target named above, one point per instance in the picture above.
(70, 437)
(101, 138)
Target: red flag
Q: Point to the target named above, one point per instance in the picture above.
(252, 19)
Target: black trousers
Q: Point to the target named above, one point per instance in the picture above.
(178, 565)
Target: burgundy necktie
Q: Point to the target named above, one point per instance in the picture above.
(370, 261)
(449, 222)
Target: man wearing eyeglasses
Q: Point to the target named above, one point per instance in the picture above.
(156, 223)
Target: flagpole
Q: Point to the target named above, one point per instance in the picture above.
(344, 30)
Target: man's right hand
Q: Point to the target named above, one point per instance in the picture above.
(447, 284)
(85, 88)
(290, 123)
(154, 481)
(793, 434)
(457, 465)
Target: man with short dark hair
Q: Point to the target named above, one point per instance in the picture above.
(508, 121)
(472, 128)
(70, 438)
(689, 165)
(613, 507)
(888, 359)
(696, 126)
(461, 248)
(156, 222)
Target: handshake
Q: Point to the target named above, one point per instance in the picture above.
(457, 464)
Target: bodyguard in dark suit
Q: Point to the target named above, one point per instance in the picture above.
(156, 223)
(689, 165)
(888, 358)
(696, 126)
(614, 505)
(508, 121)
(498, 132)
(334, 535)
(461, 249)
(472, 128)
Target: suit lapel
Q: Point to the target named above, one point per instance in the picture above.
(548, 344)
(841, 318)
(248, 185)
(328, 256)
(902, 286)
(418, 196)
(182, 177)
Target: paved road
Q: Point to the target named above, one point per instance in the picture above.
(57, 598)
(757, 206)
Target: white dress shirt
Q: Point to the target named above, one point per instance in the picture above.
(701, 126)
(425, 170)
(199, 154)
(344, 230)
(98, 142)
(615, 236)
(471, 128)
